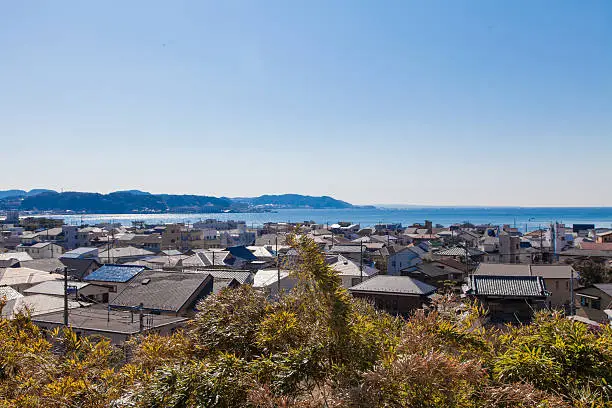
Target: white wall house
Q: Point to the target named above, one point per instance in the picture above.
(405, 259)
(41, 250)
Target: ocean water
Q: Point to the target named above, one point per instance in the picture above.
(526, 218)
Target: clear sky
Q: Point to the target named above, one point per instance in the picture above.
(412, 102)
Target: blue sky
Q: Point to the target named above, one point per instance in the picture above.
(412, 102)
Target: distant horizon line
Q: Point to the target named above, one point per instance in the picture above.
(378, 205)
(402, 206)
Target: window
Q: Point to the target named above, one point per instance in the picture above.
(355, 281)
(583, 301)
(557, 285)
(595, 304)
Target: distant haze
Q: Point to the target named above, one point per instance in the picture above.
(406, 102)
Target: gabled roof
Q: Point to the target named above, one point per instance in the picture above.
(44, 264)
(20, 256)
(267, 277)
(125, 252)
(260, 251)
(19, 276)
(457, 251)
(220, 284)
(241, 252)
(604, 287)
(243, 277)
(596, 246)
(37, 304)
(560, 271)
(163, 291)
(114, 273)
(170, 252)
(400, 285)
(7, 293)
(434, 271)
(347, 249)
(506, 286)
(450, 262)
(587, 253)
(346, 267)
(54, 287)
(79, 252)
(79, 267)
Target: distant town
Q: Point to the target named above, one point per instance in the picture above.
(94, 277)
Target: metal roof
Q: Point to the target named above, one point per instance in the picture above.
(402, 285)
(114, 273)
(510, 286)
(604, 287)
(79, 252)
(545, 271)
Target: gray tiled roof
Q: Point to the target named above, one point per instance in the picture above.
(456, 251)
(345, 249)
(511, 286)
(403, 285)
(605, 287)
(220, 284)
(243, 277)
(156, 290)
(46, 264)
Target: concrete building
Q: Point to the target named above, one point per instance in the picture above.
(404, 260)
(41, 250)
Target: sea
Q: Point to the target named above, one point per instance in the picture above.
(525, 218)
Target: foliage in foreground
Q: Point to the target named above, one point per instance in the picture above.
(315, 347)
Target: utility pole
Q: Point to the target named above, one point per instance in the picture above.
(140, 318)
(278, 267)
(361, 260)
(572, 291)
(66, 296)
(541, 248)
(467, 260)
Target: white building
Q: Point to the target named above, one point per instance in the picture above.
(41, 250)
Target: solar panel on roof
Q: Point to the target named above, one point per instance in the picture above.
(114, 273)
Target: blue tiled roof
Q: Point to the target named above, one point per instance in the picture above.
(114, 273)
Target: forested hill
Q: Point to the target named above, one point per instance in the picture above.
(137, 201)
